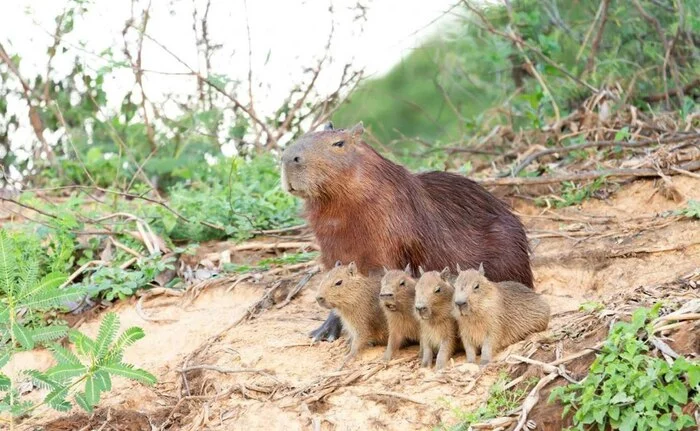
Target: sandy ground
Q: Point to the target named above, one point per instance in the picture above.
(588, 253)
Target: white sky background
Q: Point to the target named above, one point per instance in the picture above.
(293, 32)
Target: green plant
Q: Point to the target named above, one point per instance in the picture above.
(574, 194)
(692, 210)
(265, 264)
(591, 307)
(628, 388)
(23, 294)
(500, 401)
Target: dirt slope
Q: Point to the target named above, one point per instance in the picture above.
(591, 253)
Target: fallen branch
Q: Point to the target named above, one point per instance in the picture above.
(590, 175)
(599, 144)
(227, 370)
(394, 395)
(300, 285)
(275, 246)
(532, 399)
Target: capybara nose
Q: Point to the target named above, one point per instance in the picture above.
(420, 309)
(386, 295)
(460, 304)
(321, 300)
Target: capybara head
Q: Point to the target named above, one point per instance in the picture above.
(312, 164)
(473, 292)
(337, 284)
(433, 294)
(398, 290)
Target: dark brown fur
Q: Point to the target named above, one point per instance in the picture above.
(365, 208)
(438, 328)
(495, 315)
(397, 297)
(356, 299)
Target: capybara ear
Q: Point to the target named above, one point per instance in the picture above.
(385, 269)
(445, 273)
(407, 270)
(420, 270)
(338, 263)
(481, 268)
(458, 269)
(352, 268)
(328, 126)
(357, 130)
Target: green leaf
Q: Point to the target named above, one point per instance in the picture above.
(57, 399)
(82, 342)
(678, 391)
(4, 357)
(64, 356)
(621, 397)
(66, 371)
(42, 380)
(23, 336)
(92, 391)
(48, 333)
(694, 376)
(7, 263)
(106, 334)
(128, 371)
(54, 298)
(82, 402)
(48, 283)
(127, 338)
(4, 382)
(103, 379)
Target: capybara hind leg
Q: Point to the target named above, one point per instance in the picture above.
(329, 330)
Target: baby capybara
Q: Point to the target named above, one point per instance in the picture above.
(397, 297)
(364, 208)
(355, 298)
(438, 328)
(495, 315)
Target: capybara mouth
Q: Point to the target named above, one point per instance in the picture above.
(390, 306)
(323, 303)
(463, 309)
(425, 315)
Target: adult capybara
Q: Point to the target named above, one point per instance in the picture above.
(367, 209)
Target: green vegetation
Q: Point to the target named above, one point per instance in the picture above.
(692, 210)
(25, 293)
(629, 389)
(500, 402)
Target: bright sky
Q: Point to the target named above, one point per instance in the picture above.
(292, 32)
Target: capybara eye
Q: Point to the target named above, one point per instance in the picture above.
(437, 290)
(339, 144)
(403, 283)
(339, 282)
(476, 287)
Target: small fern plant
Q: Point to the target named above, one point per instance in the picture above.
(23, 294)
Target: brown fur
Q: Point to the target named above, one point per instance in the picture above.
(356, 299)
(397, 297)
(495, 315)
(365, 208)
(437, 325)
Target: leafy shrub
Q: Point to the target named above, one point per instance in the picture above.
(22, 294)
(627, 389)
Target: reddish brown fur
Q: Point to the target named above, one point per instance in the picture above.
(397, 297)
(438, 328)
(364, 208)
(356, 299)
(495, 315)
